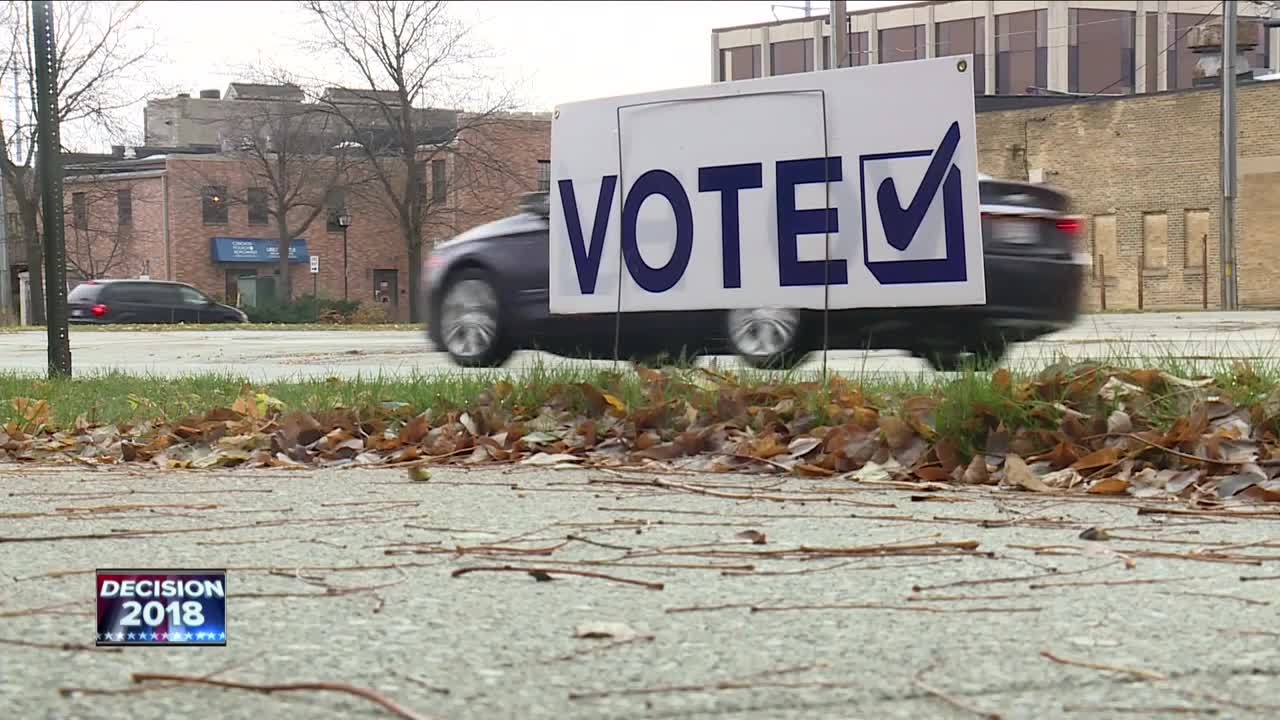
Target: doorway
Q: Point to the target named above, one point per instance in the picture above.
(386, 291)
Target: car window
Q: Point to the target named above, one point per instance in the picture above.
(144, 293)
(192, 296)
(84, 293)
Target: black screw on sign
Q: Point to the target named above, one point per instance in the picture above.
(50, 168)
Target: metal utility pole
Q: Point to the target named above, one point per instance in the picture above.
(50, 161)
(1230, 294)
(839, 33)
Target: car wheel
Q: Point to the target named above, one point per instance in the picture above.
(766, 338)
(470, 321)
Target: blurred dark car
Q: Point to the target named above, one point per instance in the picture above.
(486, 293)
(145, 301)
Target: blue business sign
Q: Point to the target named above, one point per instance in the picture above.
(851, 188)
(254, 250)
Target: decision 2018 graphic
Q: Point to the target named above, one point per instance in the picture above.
(161, 607)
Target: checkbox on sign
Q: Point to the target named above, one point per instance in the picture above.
(913, 214)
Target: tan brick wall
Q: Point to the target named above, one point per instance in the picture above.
(1155, 154)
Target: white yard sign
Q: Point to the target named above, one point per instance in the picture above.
(739, 195)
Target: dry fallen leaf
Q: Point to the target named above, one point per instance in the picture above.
(755, 536)
(1095, 533)
(1017, 474)
(607, 631)
(552, 460)
(1109, 486)
(976, 473)
(1098, 459)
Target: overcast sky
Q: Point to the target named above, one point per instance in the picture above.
(555, 51)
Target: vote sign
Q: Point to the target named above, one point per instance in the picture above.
(855, 187)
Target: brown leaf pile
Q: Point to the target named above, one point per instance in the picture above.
(1088, 428)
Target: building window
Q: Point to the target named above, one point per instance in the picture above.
(79, 211)
(1151, 63)
(439, 182)
(740, 63)
(124, 207)
(1100, 51)
(791, 56)
(1195, 231)
(257, 202)
(1022, 52)
(859, 50)
(544, 176)
(1155, 241)
(213, 205)
(335, 203)
(1106, 250)
(965, 37)
(904, 43)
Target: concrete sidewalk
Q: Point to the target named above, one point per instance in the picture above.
(874, 635)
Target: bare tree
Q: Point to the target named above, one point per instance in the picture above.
(100, 239)
(413, 61)
(288, 160)
(99, 56)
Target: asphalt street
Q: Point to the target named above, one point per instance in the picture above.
(347, 576)
(273, 355)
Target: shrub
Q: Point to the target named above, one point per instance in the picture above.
(305, 309)
(370, 314)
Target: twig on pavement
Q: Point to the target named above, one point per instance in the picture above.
(545, 571)
(1136, 672)
(1013, 578)
(884, 606)
(1107, 583)
(950, 699)
(365, 693)
(598, 648)
(1221, 596)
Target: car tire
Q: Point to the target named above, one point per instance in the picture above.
(766, 338)
(470, 320)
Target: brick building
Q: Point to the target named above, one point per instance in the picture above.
(167, 216)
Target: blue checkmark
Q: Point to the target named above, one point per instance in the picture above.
(900, 224)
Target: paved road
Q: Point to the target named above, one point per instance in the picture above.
(274, 355)
(487, 645)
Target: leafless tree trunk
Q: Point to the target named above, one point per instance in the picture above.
(99, 58)
(410, 59)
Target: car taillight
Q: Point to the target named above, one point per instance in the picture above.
(98, 310)
(1070, 225)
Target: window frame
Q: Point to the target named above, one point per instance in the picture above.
(214, 212)
(124, 207)
(439, 180)
(544, 176)
(79, 211)
(256, 198)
